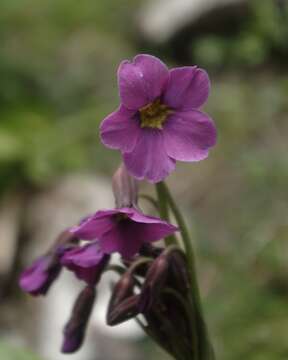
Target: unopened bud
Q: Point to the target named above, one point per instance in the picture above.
(124, 311)
(122, 289)
(154, 283)
(74, 331)
(179, 271)
(125, 188)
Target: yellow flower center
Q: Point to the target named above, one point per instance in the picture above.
(154, 115)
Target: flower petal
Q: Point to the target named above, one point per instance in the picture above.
(189, 135)
(120, 130)
(87, 262)
(141, 81)
(38, 278)
(149, 158)
(129, 236)
(121, 240)
(95, 225)
(84, 256)
(188, 88)
(139, 217)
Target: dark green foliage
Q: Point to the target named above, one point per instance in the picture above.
(262, 38)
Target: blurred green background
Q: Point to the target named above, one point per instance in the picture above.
(58, 62)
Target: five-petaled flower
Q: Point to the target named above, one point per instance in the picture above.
(122, 230)
(159, 121)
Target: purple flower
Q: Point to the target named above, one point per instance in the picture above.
(158, 121)
(38, 278)
(123, 230)
(87, 262)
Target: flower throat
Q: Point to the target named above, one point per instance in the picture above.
(154, 115)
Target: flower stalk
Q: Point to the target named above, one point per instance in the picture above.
(205, 348)
(164, 210)
(159, 121)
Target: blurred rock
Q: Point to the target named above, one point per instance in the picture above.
(161, 20)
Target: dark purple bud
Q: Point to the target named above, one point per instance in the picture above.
(124, 311)
(122, 289)
(74, 331)
(176, 309)
(160, 329)
(38, 278)
(125, 188)
(179, 278)
(154, 283)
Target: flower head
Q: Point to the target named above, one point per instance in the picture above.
(87, 262)
(159, 121)
(122, 230)
(38, 278)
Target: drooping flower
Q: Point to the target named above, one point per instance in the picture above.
(122, 230)
(38, 278)
(158, 120)
(87, 262)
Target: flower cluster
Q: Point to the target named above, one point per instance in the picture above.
(157, 123)
(86, 249)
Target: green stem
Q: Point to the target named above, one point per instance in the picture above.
(164, 210)
(206, 351)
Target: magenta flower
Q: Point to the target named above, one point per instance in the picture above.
(159, 121)
(87, 262)
(38, 278)
(122, 230)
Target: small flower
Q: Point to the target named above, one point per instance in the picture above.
(159, 121)
(87, 262)
(122, 230)
(38, 278)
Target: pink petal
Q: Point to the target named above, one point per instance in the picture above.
(95, 225)
(188, 88)
(141, 81)
(149, 159)
(120, 130)
(120, 240)
(84, 256)
(139, 217)
(189, 135)
(128, 236)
